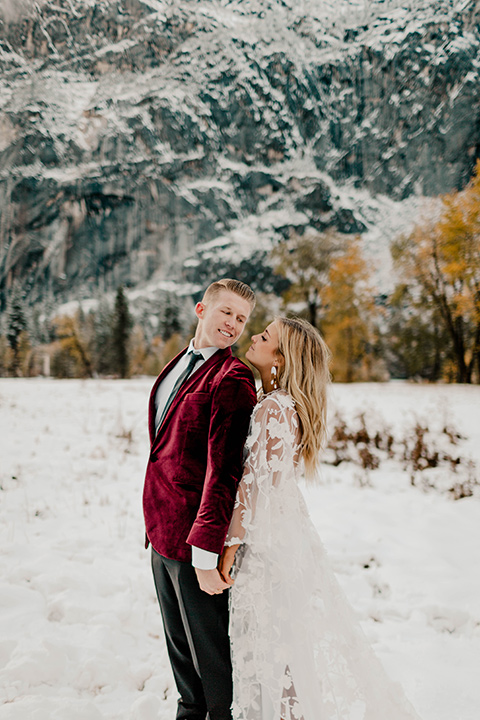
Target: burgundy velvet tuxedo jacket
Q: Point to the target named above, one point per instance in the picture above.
(195, 460)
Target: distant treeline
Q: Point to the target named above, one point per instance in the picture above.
(427, 328)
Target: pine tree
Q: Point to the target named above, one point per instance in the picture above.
(16, 333)
(121, 328)
(16, 320)
(170, 323)
(103, 323)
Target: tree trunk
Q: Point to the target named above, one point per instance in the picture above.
(349, 376)
(312, 307)
(454, 324)
(463, 370)
(455, 329)
(437, 360)
(476, 354)
(312, 313)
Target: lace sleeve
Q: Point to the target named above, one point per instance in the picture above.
(272, 448)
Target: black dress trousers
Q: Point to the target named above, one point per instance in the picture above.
(196, 631)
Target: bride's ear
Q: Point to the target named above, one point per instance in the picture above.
(279, 363)
(279, 360)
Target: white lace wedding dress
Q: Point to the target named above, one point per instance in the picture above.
(298, 652)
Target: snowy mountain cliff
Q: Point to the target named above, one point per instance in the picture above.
(134, 133)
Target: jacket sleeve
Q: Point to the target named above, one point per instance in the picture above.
(232, 403)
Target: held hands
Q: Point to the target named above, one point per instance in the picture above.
(211, 581)
(216, 581)
(226, 561)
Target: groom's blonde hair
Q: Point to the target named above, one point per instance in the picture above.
(235, 286)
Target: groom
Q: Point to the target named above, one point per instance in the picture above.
(199, 414)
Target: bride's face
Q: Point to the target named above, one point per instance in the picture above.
(263, 352)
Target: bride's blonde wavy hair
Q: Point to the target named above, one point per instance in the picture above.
(305, 376)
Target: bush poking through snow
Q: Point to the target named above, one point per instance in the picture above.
(432, 459)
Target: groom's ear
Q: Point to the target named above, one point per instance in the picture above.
(199, 310)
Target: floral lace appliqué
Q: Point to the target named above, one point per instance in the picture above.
(297, 650)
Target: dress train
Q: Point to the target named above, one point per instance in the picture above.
(298, 652)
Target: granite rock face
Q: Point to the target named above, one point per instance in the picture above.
(135, 132)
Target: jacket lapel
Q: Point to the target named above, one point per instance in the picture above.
(151, 406)
(217, 358)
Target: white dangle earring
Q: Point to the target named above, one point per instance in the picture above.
(273, 381)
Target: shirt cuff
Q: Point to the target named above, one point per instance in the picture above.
(204, 559)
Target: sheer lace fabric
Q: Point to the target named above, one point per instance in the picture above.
(298, 653)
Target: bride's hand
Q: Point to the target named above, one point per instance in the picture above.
(225, 563)
(211, 581)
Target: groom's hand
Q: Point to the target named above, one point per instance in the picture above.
(211, 581)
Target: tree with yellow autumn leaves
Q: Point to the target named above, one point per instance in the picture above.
(441, 259)
(305, 260)
(349, 322)
(330, 278)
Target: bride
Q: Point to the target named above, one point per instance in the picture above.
(297, 651)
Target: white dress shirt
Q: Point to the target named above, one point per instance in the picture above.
(201, 559)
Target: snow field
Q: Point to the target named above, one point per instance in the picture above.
(81, 636)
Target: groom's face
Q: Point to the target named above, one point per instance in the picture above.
(221, 320)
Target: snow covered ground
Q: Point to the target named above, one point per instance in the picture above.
(80, 631)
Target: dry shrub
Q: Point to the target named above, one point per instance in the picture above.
(432, 460)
